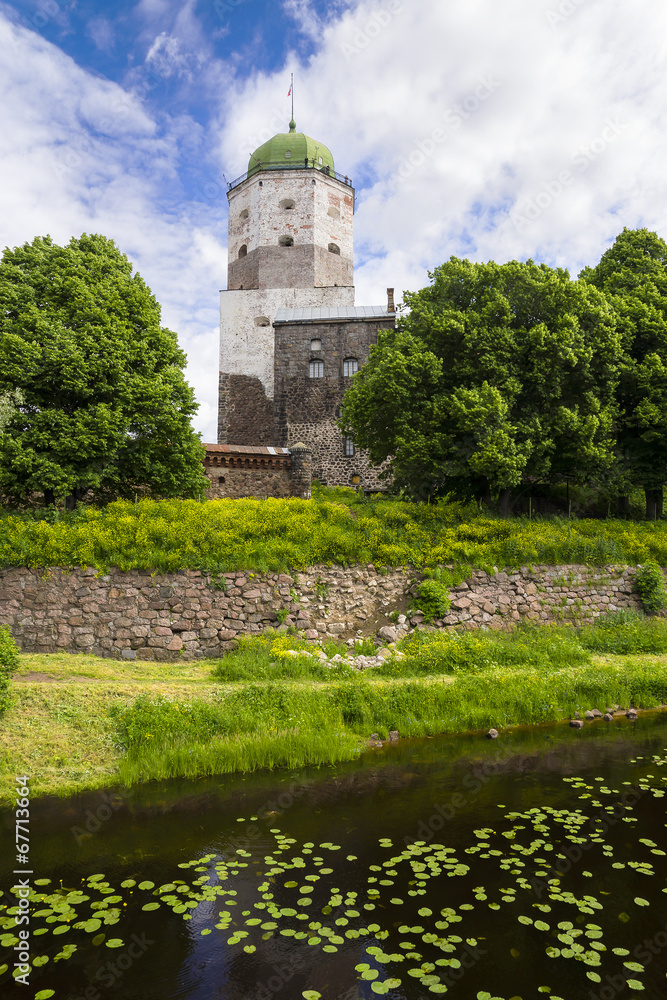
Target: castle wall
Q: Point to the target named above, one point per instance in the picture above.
(234, 472)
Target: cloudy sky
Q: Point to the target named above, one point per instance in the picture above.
(488, 129)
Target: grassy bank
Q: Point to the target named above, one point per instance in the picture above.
(78, 722)
(226, 535)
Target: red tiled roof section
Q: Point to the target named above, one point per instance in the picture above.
(243, 449)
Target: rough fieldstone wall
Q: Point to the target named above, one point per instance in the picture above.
(306, 409)
(187, 614)
(245, 414)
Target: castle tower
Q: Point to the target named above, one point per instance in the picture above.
(290, 246)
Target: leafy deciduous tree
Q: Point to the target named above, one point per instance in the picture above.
(633, 274)
(100, 404)
(501, 375)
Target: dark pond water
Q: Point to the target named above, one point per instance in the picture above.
(527, 867)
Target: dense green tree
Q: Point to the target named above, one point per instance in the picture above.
(633, 274)
(499, 377)
(100, 406)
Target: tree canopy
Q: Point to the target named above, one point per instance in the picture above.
(96, 403)
(633, 274)
(499, 377)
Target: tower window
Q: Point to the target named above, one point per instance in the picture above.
(316, 369)
(243, 250)
(348, 447)
(334, 248)
(316, 344)
(286, 241)
(262, 321)
(350, 366)
(288, 154)
(320, 158)
(287, 203)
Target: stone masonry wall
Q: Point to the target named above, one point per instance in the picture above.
(189, 615)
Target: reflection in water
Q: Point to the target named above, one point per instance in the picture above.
(501, 812)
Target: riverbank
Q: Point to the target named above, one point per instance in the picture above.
(79, 722)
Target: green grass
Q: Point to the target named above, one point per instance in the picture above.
(279, 535)
(98, 723)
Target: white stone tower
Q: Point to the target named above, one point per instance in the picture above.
(289, 246)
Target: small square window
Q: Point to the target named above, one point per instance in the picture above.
(348, 447)
(350, 366)
(316, 369)
(288, 154)
(316, 344)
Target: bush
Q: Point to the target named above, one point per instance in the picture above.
(433, 598)
(650, 586)
(9, 661)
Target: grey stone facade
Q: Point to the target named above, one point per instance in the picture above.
(307, 408)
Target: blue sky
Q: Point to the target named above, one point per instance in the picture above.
(490, 129)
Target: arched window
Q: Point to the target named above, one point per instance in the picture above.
(316, 369)
(316, 344)
(286, 241)
(350, 366)
(334, 248)
(348, 447)
(288, 154)
(243, 250)
(262, 321)
(287, 203)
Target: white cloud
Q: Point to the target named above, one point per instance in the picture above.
(388, 75)
(85, 157)
(102, 33)
(486, 130)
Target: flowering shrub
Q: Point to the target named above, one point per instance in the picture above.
(278, 535)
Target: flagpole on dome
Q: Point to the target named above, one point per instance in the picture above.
(291, 94)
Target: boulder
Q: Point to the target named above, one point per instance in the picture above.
(387, 633)
(576, 723)
(631, 713)
(393, 735)
(608, 717)
(492, 734)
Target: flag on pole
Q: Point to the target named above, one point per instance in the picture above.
(289, 92)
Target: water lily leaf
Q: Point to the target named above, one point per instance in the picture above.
(115, 943)
(98, 939)
(45, 994)
(151, 906)
(147, 884)
(641, 902)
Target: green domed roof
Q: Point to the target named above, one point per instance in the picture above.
(273, 154)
